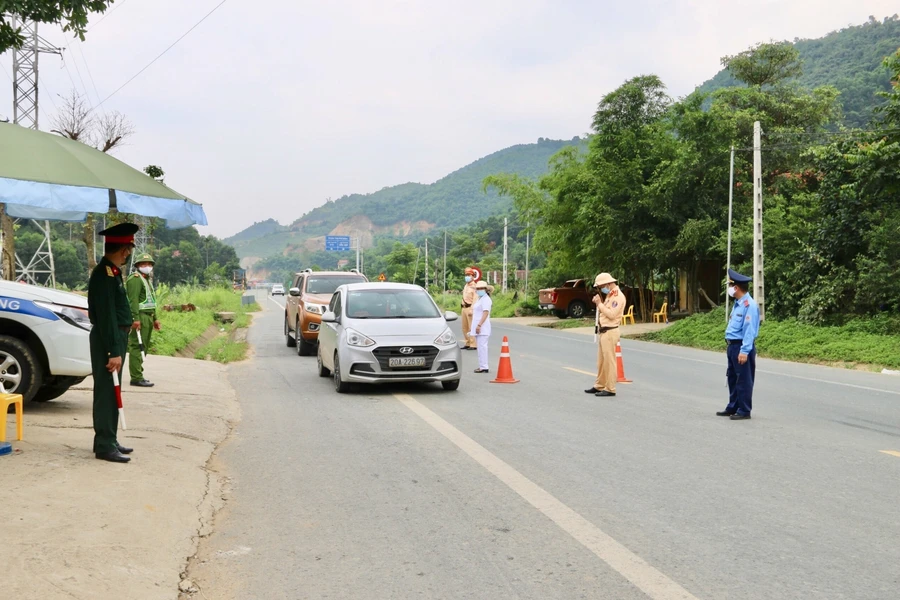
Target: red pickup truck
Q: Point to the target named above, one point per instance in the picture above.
(571, 299)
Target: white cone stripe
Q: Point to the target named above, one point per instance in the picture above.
(504, 355)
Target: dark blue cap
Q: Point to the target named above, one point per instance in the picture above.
(737, 277)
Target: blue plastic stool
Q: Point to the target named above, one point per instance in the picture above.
(5, 448)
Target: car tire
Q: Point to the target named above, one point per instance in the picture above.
(577, 309)
(340, 386)
(56, 387)
(450, 386)
(291, 342)
(323, 370)
(304, 348)
(20, 371)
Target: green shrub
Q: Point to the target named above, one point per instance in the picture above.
(862, 341)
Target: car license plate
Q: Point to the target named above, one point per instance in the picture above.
(407, 362)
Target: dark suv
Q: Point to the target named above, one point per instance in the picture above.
(310, 293)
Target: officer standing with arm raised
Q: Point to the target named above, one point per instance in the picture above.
(609, 315)
(740, 334)
(142, 302)
(111, 319)
(469, 297)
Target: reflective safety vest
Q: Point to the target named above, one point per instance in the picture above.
(149, 303)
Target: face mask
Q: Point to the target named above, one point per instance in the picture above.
(145, 270)
(605, 290)
(730, 291)
(125, 259)
(468, 278)
(481, 293)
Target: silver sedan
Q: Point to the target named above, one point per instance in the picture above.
(387, 332)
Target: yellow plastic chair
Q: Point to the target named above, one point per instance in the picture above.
(628, 316)
(660, 317)
(5, 401)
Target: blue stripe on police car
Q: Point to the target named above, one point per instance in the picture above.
(26, 307)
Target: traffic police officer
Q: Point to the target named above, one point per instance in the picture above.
(740, 334)
(469, 297)
(610, 307)
(142, 302)
(111, 319)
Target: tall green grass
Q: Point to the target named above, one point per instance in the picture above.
(874, 341)
(178, 329)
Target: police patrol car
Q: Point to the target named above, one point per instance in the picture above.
(44, 346)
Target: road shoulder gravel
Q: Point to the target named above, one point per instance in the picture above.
(77, 527)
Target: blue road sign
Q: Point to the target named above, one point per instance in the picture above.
(337, 242)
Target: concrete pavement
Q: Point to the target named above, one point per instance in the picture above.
(77, 527)
(537, 490)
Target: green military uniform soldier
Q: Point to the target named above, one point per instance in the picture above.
(111, 319)
(142, 301)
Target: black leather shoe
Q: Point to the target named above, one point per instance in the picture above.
(724, 413)
(123, 449)
(737, 417)
(113, 457)
(481, 370)
(141, 383)
(604, 394)
(591, 391)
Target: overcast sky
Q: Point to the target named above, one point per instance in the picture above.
(267, 113)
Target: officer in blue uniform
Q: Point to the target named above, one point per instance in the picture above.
(743, 327)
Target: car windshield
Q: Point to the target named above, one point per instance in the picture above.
(390, 304)
(328, 285)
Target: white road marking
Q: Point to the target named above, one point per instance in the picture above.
(281, 306)
(722, 364)
(628, 564)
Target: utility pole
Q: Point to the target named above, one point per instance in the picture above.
(357, 253)
(445, 267)
(758, 282)
(505, 223)
(527, 248)
(426, 264)
(40, 270)
(730, 203)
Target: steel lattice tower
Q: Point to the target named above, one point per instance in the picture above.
(40, 270)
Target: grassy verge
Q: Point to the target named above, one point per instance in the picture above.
(570, 323)
(222, 349)
(505, 305)
(859, 342)
(181, 328)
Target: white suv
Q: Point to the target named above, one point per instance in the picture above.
(44, 341)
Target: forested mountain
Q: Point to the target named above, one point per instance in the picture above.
(452, 201)
(255, 231)
(849, 59)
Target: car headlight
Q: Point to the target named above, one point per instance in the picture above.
(445, 339)
(317, 309)
(70, 314)
(355, 338)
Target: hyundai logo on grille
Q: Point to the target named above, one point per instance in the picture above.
(406, 350)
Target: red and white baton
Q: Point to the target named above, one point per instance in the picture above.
(118, 387)
(140, 340)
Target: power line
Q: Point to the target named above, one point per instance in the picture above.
(87, 94)
(184, 35)
(114, 9)
(5, 72)
(86, 66)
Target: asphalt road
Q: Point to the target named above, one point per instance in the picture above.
(537, 490)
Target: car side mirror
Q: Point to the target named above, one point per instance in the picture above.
(294, 291)
(329, 317)
(450, 316)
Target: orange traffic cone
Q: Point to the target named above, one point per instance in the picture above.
(620, 368)
(504, 371)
